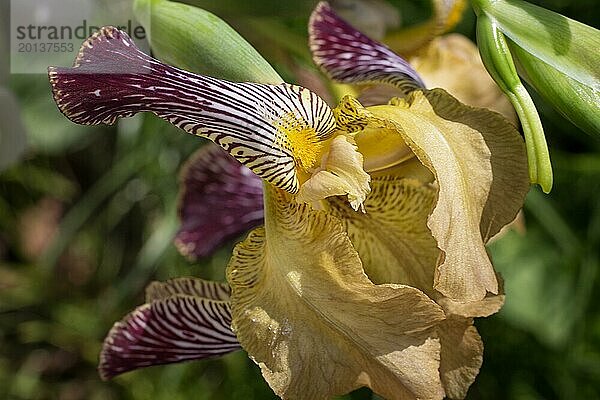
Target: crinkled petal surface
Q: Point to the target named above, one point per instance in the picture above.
(341, 173)
(462, 355)
(220, 200)
(311, 319)
(112, 78)
(478, 160)
(175, 325)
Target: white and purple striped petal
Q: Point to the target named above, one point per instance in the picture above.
(188, 286)
(175, 329)
(220, 200)
(348, 56)
(111, 78)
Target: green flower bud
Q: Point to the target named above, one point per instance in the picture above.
(558, 56)
(498, 60)
(196, 40)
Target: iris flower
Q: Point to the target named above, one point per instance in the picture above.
(371, 263)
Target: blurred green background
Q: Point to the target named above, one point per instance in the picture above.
(87, 217)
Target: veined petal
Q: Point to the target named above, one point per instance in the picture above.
(188, 286)
(269, 128)
(391, 237)
(348, 56)
(220, 200)
(306, 312)
(174, 329)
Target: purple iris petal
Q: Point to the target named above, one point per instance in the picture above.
(112, 78)
(221, 200)
(175, 329)
(349, 56)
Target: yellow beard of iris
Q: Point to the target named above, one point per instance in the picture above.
(300, 139)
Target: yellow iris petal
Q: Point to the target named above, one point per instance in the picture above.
(306, 312)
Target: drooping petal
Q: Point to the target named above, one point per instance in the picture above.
(170, 330)
(465, 148)
(187, 286)
(268, 128)
(508, 160)
(394, 243)
(341, 173)
(462, 355)
(348, 56)
(220, 200)
(308, 315)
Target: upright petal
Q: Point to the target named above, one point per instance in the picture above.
(220, 199)
(269, 128)
(170, 329)
(308, 315)
(348, 56)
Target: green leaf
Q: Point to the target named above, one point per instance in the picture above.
(198, 41)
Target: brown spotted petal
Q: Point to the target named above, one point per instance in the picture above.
(220, 200)
(111, 78)
(171, 328)
(349, 56)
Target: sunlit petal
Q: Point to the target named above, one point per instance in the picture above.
(269, 128)
(306, 312)
(478, 160)
(220, 200)
(452, 62)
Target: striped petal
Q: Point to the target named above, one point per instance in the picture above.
(269, 128)
(220, 200)
(348, 56)
(171, 330)
(195, 287)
